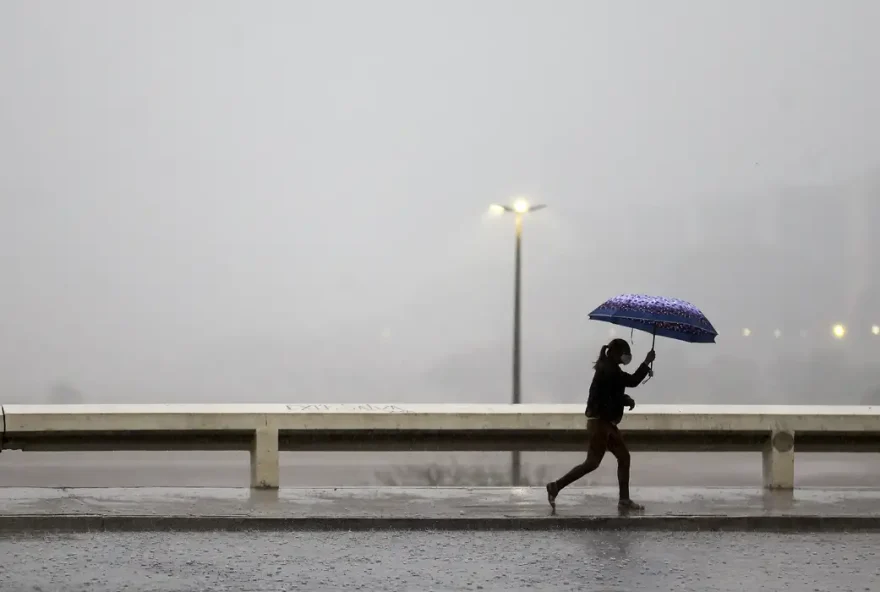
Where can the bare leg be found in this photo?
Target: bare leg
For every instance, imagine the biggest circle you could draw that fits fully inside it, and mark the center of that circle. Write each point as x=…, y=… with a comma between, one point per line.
x=588, y=466
x=597, y=444
x=617, y=447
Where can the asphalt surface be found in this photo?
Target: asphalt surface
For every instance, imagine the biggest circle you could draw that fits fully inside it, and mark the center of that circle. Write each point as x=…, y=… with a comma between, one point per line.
x=366, y=508
x=440, y=561
x=417, y=560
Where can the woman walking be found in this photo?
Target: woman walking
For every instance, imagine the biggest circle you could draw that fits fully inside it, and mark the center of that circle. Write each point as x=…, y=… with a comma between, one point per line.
x=604, y=411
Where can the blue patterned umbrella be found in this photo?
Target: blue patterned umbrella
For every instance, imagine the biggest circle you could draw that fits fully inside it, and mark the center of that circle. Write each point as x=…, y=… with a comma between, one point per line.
x=666, y=317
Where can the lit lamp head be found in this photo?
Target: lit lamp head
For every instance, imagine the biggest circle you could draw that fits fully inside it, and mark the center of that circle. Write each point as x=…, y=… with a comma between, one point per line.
x=875, y=330
x=839, y=331
x=520, y=206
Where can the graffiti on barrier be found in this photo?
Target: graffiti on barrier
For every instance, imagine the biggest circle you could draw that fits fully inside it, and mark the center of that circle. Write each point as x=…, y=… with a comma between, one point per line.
x=366, y=407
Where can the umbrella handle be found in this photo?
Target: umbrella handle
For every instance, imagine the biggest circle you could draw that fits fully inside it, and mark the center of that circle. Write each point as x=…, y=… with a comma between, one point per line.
x=651, y=365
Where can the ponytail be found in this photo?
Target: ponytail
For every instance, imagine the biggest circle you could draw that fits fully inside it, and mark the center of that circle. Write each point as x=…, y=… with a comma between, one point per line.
x=615, y=346
x=603, y=357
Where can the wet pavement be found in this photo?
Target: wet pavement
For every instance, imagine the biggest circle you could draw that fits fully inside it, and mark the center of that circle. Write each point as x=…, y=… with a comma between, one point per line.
x=433, y=507
x=623, y=561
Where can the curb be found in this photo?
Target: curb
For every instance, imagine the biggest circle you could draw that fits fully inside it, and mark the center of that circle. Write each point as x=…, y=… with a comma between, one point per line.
x=133, y=523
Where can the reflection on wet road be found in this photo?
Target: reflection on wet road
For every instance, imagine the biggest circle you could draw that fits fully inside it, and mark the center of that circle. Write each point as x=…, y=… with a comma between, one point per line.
x=423, y=561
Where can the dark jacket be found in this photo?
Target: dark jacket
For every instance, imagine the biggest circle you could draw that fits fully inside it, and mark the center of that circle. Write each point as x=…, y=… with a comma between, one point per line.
x=608, y=391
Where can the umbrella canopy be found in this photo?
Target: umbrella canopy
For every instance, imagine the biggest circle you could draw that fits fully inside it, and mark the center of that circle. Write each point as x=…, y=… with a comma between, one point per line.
x=666, y=317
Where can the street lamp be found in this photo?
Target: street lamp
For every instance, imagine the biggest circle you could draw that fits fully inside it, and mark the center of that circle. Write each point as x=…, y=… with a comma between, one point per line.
x=519, y=208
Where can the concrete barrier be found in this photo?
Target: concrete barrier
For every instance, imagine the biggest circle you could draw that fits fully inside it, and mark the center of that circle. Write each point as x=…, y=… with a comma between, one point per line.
x=265, y=430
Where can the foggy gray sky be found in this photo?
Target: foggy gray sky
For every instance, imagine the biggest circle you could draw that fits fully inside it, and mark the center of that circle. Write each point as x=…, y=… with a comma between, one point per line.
x=218, y=200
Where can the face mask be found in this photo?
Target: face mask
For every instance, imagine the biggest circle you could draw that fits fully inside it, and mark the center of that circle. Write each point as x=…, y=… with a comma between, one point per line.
x=626, y=359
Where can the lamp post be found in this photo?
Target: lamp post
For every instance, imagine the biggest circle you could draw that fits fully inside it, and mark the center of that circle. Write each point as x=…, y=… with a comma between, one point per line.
x=520, y=208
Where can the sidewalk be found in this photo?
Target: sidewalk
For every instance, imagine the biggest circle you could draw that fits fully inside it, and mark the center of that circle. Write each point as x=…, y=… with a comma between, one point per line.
x=483, y=508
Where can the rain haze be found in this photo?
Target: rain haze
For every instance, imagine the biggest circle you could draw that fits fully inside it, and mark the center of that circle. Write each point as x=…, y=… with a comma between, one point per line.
x=288, y=201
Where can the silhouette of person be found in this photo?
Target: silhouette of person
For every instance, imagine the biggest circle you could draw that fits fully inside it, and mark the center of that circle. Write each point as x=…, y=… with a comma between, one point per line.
x=604, y=411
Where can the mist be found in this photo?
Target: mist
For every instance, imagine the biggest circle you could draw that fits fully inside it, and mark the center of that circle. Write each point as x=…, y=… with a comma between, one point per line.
x=288, y=201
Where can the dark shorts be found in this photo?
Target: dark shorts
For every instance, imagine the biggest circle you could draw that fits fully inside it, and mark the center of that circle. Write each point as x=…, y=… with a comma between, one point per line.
x=603, y=436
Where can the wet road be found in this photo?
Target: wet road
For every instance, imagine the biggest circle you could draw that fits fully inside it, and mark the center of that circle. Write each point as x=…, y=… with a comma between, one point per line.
x=420, y=507
x=508, y=561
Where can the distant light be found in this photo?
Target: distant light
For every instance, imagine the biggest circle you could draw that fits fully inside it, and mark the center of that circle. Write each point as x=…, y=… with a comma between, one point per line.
x=777, y=333
x=747, y=332
x=520, y=206
x=875, y=329
x=839, y=331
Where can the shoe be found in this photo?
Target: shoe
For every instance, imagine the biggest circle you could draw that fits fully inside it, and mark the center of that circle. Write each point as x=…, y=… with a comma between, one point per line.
x=628, y=504
x=552, y=492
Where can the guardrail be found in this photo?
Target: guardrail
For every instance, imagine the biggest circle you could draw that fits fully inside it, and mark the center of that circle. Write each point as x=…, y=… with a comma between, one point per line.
x=265, y=430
